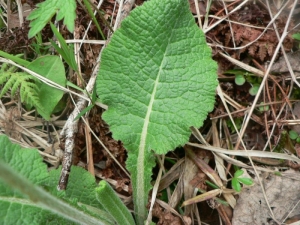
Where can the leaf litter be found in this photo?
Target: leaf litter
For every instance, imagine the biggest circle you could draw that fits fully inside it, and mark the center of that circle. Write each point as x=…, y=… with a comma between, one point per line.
x=244, y=35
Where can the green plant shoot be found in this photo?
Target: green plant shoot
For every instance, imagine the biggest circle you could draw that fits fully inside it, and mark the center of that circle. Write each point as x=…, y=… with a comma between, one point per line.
x=237, y=180
x=293, y=135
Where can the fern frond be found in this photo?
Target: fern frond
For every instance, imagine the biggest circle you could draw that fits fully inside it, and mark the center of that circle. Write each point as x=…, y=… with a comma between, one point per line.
x=10, y=80
x=15, y=86
x=4, y=67
x=12, y=69
x=3, y=76
x=28, y=88
x=29, y=94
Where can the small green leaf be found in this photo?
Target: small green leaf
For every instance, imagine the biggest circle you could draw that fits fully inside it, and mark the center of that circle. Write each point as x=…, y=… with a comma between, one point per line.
x=298, y=140
x=245, y=180
x=238, y=123
x=254, y=89
x=239, y=79
x=238, y=173
x=277, y=173
x=235, y=184
x=296, y=36
x=47, y=9
x=293, y=134
x=52, y=68
x=14, y=58
x=263, y=108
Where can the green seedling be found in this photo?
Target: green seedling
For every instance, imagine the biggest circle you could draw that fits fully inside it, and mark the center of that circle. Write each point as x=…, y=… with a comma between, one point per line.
x=263, y=108
x=241, y=76
x=294, y=136
x=254, y=89
x=287, y=141
x=238, y=123
x=45, y=67
x=237, y=180
x=239, y=79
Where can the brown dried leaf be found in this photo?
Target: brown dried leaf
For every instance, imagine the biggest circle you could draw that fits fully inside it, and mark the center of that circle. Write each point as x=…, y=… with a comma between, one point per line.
x=190, y=171
x=252, y=50
x=262, y=52
x=204, y=167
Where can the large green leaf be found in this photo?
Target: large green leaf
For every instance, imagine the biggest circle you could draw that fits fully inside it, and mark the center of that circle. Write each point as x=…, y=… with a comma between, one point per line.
x=52, y=68
x=30, y=204
x=81, y=186
x=158, y=79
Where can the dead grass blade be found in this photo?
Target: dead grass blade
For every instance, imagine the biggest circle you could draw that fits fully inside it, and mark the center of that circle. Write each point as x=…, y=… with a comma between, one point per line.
x=248, y=153
x=204, y=167
x=202, y=197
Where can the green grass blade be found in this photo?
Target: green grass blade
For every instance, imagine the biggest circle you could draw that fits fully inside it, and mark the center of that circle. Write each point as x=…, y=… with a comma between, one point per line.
x=113, y=204
x=16, y=59
x=89, y=9
x=67, y=52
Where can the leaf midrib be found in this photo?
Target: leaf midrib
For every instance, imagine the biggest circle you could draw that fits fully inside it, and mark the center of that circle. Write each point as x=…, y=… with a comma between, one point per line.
x=140, y=182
